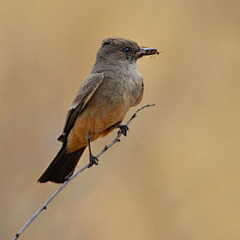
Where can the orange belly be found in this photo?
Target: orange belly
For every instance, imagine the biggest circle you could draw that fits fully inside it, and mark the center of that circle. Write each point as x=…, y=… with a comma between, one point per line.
x=95, y=121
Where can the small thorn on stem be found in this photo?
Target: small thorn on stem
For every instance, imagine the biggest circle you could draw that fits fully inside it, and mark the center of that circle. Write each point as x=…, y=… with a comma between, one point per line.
x=133, y=116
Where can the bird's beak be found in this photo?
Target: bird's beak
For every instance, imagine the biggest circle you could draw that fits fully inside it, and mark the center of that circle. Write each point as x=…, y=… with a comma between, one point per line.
x=147, y=51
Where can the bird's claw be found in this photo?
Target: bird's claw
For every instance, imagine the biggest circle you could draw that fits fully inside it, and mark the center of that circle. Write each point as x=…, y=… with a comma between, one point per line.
x=92, y=161
x=124, y=129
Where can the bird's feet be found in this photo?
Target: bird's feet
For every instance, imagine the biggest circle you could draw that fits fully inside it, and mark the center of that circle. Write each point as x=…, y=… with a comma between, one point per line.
x=92, y=161
x=124, y=129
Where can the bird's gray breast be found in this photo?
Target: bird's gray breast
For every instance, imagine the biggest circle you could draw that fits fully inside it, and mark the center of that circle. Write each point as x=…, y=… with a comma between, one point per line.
x=135, y=85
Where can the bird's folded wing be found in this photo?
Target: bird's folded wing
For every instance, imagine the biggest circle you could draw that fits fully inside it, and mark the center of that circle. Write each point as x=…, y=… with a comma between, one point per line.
x=88, y=88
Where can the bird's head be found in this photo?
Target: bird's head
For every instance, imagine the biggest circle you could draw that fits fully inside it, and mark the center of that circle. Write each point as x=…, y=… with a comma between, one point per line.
x=121, y=49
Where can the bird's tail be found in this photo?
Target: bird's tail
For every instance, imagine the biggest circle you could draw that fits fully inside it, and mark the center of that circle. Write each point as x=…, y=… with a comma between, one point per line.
x=62, y=166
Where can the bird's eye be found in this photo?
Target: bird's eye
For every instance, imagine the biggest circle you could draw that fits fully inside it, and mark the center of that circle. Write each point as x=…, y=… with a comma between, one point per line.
x=126, y=49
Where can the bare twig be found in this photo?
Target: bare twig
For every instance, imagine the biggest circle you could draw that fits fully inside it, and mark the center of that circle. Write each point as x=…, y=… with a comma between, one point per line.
x=44, y=206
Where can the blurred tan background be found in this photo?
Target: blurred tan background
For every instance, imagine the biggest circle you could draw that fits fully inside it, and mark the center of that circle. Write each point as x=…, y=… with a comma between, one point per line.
x=176, y=175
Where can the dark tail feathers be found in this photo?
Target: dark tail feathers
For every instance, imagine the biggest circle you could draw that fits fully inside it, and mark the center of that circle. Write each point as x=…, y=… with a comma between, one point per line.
x=62, y=166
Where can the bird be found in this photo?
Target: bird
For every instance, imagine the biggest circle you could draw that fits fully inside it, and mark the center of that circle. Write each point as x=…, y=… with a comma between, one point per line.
x=113, y=86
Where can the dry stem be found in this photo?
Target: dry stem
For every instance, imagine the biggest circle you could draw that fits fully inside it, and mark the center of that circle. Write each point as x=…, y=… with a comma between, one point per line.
x=44, y=206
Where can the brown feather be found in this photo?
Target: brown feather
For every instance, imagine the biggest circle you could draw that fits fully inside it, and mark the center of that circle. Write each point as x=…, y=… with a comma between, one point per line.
x=88, y=88
x=62, y=166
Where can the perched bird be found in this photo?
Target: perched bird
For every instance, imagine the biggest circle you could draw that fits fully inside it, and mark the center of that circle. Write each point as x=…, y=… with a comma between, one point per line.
x=113, y=86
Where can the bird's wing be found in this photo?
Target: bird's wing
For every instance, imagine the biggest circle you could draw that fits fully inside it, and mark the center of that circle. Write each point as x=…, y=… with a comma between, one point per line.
x=88, y=88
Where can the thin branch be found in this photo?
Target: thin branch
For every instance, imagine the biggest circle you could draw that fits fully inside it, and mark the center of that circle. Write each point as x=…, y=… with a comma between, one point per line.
x=44, y=206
